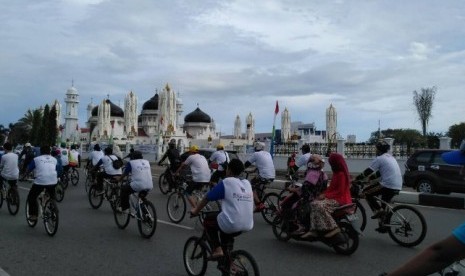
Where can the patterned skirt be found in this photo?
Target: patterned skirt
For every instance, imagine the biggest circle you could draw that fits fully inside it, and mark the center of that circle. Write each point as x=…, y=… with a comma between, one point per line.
x=320, y=215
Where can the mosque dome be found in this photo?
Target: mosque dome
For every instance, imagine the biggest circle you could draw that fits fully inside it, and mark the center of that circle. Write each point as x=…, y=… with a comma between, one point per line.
x=151, y=104
x=197, y=116
x=115, y=111
x=72, y=91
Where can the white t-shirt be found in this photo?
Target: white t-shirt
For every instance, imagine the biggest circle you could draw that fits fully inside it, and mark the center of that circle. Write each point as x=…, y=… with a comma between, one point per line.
x=95, y=156
x=64, y=153
x=45, y=170
x=74, y=156
x=264, y=163
x=219, y=157
x=199, y=167
x=237, y=206
x=107, y=162
x=9, y=166
x=391, y=176
x=303, y=160
x=141, y=175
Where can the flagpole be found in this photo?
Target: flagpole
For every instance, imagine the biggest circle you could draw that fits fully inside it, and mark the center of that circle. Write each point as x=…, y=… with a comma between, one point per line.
x=276, y=111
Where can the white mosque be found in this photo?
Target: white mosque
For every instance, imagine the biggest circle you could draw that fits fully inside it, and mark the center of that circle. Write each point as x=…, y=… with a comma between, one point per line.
x=160, y=120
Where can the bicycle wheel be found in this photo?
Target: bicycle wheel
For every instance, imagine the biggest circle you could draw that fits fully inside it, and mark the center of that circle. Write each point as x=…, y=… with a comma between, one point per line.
x=88, y=182
x=95, y=199
x=281, y=228
x=147, y=224
x=407, y=226
x=361, y=214
x=176, y=207
x=31, y=223
x=59, y=192
x=74, y=176
x=271, y=201
x=351, y=239
x=195, y=257
x=65, y=180
x=12, y=201
x=50, y=217
x=243, y=264
x=121, y=219
x=163, y=184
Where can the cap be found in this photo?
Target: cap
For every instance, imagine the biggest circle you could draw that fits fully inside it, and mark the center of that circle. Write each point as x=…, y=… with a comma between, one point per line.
x=194, y=148
x=219, y=146
x=27, y=145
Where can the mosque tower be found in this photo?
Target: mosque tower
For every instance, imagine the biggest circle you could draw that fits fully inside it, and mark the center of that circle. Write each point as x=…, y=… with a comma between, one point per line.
x=168, y=114
x=71, y=115
x=57, y=106
x=237, y=128
x=331, y=123
x=285, y=126
x=130, y=115
x=178, y=112
x=104, y=111
x=250, y=129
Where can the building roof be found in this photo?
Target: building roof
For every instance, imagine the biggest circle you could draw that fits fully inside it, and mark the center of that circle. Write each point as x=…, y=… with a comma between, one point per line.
x=197, y=116
x=151, y=104
x=115, y=111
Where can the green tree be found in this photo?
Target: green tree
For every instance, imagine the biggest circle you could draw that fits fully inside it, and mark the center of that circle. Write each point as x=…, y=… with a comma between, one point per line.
x=44, y=128
x=424, y=104
x=34, y=135
x=457, y=134
x=52, y=127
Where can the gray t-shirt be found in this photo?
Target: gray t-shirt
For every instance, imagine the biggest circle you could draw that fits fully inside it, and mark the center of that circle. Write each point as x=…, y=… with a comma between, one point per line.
x=391, y=176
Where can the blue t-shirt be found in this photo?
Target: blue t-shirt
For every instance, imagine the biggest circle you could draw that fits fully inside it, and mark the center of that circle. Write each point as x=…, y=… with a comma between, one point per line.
x=459, y=233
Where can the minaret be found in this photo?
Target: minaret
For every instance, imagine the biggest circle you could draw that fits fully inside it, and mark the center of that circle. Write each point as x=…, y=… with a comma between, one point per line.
x=250, y=130
x=104, y=112
x=167, y=108
x=331, y=123
x=71, y=115
x=285, y=126
x=130, y=114
x=178, y=112
x=237, y=128
x=57, y=106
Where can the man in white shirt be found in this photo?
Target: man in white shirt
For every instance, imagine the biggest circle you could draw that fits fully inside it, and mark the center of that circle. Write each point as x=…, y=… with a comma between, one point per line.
x=200, y=172
x=108, y=171
x=219, y=160
x=64, y=154
x=9, y=166
x=74, y=157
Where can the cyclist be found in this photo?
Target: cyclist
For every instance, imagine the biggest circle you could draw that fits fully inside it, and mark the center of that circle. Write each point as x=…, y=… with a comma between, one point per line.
x=28, y=154
x=74, y=157
x=444, y=252
x=141, y=179
x=200, y=172
x=64, y=154
x=302, y=160
x=291, y=164
x=9, y=166
x=219, y=160
x=108, y=171
x=385, y=168
x=266, y=171
x=173, y=156
x=131, y=152
x=45, y=167
x=237, y=206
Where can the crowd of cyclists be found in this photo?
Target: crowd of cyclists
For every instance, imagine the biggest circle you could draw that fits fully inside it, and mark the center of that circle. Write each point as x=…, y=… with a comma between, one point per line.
x=237, y=195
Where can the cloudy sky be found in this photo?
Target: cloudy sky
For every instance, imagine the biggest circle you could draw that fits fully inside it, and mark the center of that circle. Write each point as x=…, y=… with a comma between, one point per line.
x=235, y=57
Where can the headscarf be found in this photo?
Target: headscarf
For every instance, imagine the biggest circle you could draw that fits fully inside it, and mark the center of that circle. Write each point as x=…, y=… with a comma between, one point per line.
x=338, y=164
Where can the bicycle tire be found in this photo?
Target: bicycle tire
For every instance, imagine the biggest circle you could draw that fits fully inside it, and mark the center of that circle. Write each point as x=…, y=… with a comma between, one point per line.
x=65, y=180
x=352, y=239
x=88, y=182
x=12, y=201
x=163, y=184
x=176, y=207
x=50, y=217
x=243, y=263
x=74, y=176
x=121, y=219
x=95, y=200
x=31, y=223
x=281, y=229
x=147, y=224
x=59, y=192
x=271, y=201
x=400, y=225
x=195, y=257
x=113, y=197
x=361, y=213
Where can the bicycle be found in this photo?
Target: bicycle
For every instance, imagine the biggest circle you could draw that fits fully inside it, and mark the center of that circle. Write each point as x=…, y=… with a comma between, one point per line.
x=72, y=175
x=270, y=199
x=11, y=196
x=48, y=211
x=401, y=221
x=59, y=191
x=176, y=204
x=141, y=209
x=197, y=253
x=163, y=182
x=111, y=191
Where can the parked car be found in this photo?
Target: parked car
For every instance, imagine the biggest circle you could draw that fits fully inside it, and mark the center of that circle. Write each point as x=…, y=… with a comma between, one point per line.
x=426, y=172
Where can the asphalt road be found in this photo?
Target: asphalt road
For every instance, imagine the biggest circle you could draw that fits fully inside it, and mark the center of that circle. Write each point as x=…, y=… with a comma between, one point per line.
x=89, y=243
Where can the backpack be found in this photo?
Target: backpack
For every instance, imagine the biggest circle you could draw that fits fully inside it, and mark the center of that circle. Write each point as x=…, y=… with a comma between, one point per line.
x=116, y=163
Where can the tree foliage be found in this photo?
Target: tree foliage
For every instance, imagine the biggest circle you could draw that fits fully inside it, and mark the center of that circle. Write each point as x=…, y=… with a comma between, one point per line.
x=424, y=104
x=457, y=134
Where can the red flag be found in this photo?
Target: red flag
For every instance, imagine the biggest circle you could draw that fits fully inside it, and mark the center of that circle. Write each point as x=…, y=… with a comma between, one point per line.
x=276, y=110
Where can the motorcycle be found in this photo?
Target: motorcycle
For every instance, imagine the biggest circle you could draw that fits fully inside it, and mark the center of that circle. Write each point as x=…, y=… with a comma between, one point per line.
x=295, y=210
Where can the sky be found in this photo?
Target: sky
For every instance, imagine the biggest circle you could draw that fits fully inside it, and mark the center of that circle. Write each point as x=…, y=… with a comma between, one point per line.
x=238, y=57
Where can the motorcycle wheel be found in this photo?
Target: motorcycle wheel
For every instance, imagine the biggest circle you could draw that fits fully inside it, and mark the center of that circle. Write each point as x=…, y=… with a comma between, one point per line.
x=351, y=239
x=281, y=229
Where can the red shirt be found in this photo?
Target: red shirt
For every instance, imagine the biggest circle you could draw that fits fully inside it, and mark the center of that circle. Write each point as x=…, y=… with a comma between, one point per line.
x=339, y=189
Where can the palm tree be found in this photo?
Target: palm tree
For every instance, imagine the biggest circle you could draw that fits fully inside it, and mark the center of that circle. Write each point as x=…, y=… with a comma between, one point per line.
x=424, y=103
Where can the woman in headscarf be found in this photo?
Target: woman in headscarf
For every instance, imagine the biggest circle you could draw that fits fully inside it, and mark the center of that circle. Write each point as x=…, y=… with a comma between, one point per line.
x=337, y=194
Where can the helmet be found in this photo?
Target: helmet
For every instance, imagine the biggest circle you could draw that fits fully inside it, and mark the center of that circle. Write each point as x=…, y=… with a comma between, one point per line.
x=172, y=142
x=259, y=146
x=27, y=145
x=382, y=146
x=219, y=147
x=63, y=145
x=194, y=148
x=305, y=148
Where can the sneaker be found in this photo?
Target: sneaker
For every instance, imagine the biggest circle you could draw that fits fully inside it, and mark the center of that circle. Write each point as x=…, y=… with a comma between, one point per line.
x=120, y=210
x=309, y=234
x=260, y=207
x=378, y=214
x=332, y=232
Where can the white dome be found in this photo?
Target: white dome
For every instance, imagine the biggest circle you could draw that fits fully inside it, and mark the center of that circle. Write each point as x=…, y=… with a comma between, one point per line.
x=72, y=91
